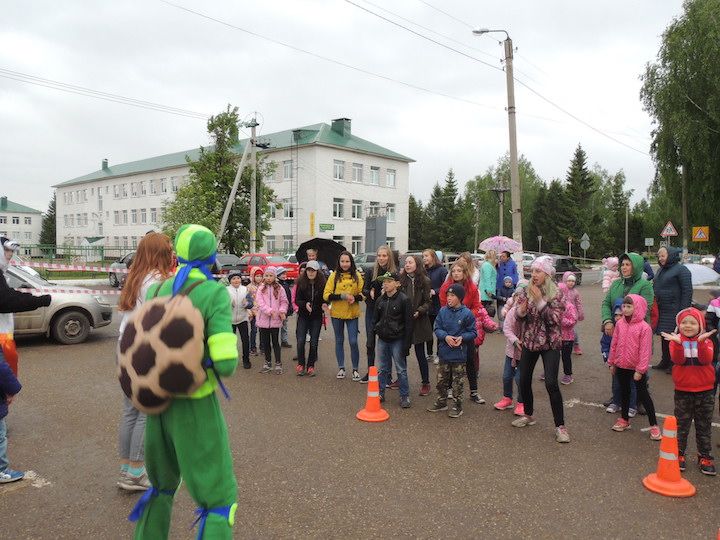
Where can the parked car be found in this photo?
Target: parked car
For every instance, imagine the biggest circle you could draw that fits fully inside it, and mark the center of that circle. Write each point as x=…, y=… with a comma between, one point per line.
x=291, y=258
x=263, y=260
x=365, y=262
x=117, y=279
x=68, y=318
x=562, y=264
x=226, y=263
x=707, y=259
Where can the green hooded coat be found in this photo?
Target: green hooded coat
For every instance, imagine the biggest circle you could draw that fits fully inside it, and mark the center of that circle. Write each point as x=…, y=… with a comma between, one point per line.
x=635, y=284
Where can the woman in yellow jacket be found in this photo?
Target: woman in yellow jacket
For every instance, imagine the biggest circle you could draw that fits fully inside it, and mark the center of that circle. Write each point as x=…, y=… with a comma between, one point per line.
x=343, y=291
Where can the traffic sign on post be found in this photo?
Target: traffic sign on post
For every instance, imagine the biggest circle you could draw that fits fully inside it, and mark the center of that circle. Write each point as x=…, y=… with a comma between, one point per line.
x=585, y=238
x=701, y=234
x=668, y=230
x=649, y=242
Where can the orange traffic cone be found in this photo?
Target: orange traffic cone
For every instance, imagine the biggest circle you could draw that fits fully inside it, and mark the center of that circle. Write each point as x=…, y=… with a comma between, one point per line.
x=667, y=480
x=373, y=412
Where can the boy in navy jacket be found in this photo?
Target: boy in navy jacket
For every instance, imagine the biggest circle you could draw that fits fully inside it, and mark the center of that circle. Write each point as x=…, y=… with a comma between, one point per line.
x=9, y=386
x=455, y=330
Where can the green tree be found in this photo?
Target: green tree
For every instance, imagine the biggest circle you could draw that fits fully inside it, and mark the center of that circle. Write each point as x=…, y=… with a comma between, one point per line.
x=680, y=92
x=202, y=200
x=556, y=221
x=416, y=224
x=619, y=201
x=47, y=233
x=433, y=237
x=579, y=188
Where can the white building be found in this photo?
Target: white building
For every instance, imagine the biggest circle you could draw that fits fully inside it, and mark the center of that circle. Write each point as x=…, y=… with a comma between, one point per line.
x=326, y=181
x=18, y=222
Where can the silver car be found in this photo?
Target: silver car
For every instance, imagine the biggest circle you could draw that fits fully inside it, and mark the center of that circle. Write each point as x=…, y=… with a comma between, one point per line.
x=68, y=318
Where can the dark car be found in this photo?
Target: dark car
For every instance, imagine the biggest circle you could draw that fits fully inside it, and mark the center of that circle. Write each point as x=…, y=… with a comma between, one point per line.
x=118, y=278
x=226, y=263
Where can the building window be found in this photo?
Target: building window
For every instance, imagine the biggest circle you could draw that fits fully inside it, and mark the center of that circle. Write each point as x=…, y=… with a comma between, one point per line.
x=375, y=176
x=390, y=178
x=357, y=169
x=143, y=189
x=78, y=220
x=28, y=235
x=78, y=197
x=288, y=209
x=153, y=215
x=153, y=187
x=16, y=220
x=338, y=170
x=71, y=219
x=270, y=244
x=391, y=212
x=272, y=210
x=116, y=191
x=391, y=242
x=116, y=241
x=133, y=216
x=28, y=221
x=374, y=209
x=84, y=194
x=143, y=215
x=133, y=189
x=287, y=243
x=356, y=246
x=356, y=209
x=125, y=241
x=287, y=169
x=100, y=228
x=92, y=191
x=107, y=190
x=65, y=219
x=338, y=208
x=174, y=182
x=85, y=219
x=3, y=219
x=124, y=191
x=339, y=239
x=163, y=186
x=116, y=215
x=134, y=241
x=65, y=198
x=124, y=217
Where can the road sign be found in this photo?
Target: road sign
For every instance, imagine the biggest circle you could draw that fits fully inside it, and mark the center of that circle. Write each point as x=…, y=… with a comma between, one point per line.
x=312, y=224
x=326, y=227
x=668, y=230
x=585, y=238
x=585, y=244
x=649, y=242
x=701, y=234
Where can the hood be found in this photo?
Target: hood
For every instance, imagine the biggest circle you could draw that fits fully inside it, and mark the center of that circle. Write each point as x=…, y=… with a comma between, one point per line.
x=195, y=243
x=254, y=270
x=567, y=275
x=637, y=264
x=673, y=256
x=640, y=308
x=611, y=263
x=695, y=314
x=563, y=287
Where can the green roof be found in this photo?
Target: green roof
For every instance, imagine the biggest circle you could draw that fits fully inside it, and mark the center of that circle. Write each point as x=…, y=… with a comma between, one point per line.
x=320, y=134
x=9, y=206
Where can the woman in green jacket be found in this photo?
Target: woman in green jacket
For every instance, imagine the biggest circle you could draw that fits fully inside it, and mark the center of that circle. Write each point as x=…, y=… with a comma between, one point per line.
x=630, y=282
x=488, y=279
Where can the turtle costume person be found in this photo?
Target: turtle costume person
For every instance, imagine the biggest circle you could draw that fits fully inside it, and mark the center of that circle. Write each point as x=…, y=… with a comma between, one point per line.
x=188, y=440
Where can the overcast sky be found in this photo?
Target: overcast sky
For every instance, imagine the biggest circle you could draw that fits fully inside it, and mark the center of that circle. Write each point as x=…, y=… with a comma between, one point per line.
x=584, y=56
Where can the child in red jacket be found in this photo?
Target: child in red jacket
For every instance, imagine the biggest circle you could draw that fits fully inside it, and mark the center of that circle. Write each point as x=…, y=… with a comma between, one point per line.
x=694, y=376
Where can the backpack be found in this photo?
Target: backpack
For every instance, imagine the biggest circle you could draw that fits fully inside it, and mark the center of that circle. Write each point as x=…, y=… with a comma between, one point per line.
x=160, y=353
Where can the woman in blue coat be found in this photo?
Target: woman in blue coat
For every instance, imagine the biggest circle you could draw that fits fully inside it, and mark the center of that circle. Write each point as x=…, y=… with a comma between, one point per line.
x=673, y=293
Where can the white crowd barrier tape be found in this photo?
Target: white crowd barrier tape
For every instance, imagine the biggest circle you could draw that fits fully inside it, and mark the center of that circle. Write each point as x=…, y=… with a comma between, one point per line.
x=80, y=267
x=62, y=290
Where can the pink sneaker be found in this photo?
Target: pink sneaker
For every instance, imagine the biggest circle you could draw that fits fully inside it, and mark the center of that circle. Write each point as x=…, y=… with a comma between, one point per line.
x=655, y=434
x=519, y=410
x=621, y=425
x=577, y=350
x=504, y=403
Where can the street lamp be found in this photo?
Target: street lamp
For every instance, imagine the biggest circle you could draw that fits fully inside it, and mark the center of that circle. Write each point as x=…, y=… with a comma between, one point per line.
x=500, y=190
x=514, y=172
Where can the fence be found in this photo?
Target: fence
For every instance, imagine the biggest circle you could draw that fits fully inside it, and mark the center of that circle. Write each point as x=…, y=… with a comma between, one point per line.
x=77, y=254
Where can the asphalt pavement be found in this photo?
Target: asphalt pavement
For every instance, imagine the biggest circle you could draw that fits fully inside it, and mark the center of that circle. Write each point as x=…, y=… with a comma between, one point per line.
x=306, y=468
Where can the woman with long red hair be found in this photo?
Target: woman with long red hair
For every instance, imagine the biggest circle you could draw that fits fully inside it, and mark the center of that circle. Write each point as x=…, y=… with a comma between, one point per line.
x=153, y=263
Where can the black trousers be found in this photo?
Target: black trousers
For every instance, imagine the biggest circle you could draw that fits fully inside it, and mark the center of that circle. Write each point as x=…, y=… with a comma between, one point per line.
x=267, y=335
x=551, y=365
x=567, y=348
x=429, y=343
x=471, y=367
x=625, y=378
x=244, y=329
x=665, y=361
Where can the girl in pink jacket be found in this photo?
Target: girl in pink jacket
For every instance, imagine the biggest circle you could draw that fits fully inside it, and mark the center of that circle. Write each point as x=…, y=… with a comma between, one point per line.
x=567, y=329
x=513, y=330
x=272, y=305
x=629, y=359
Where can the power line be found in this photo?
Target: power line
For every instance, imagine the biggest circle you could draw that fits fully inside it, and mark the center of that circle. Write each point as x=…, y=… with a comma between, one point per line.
x=446, y=13
x=97, y=94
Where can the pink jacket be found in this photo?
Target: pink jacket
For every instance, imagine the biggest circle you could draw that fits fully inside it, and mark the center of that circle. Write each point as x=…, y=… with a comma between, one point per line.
x=573, y=296
x=269, y=306
x=631, y=346
x=569, y=317
x=483, y=323
x=513, y=330
x=610, y=273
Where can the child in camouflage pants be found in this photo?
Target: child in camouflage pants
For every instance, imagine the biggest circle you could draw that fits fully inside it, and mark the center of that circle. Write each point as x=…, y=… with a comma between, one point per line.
x=455, y=330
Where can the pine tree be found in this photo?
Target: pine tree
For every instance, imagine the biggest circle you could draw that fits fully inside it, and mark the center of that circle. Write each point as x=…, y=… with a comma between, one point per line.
x=433, y=236
x=47, y=234
x=416, y=224
x=447, y=212
x=619, y=199
x=579, y=189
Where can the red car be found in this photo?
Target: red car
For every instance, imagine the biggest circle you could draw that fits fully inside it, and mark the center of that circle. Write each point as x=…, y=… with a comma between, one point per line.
x=263, y=260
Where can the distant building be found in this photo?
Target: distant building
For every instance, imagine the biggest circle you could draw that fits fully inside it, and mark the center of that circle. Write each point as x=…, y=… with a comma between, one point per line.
x=327, y=181
x=20, y=222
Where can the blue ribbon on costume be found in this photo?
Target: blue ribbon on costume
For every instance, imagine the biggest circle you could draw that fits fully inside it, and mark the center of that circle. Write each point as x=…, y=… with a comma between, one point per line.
x=209, y=364
x=184, y=271
x=139, y=508
x=203, y=513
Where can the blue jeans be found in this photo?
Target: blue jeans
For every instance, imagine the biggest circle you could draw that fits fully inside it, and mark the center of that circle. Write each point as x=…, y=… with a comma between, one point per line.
x=253, y=335
x=3, y=446
x=307, y=325
x=284, y=338
x=370, y=334
x=616, y=393
x=390, y=351
x=511, y=373
x=352, y=329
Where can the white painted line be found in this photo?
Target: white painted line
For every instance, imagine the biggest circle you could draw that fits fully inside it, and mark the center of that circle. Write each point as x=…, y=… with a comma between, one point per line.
x=570, y=403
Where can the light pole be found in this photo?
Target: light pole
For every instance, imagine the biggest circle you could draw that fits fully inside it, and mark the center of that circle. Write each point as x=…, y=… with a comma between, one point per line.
x=499, y=189
x=516, y=209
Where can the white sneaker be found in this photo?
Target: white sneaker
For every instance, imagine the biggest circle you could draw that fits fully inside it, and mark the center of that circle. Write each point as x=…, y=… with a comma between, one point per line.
x=523, y=421
x=341, y=373
x=356, y=376
x=562, y=435
x=436, y=361
x=632, y=413
x=612, y=408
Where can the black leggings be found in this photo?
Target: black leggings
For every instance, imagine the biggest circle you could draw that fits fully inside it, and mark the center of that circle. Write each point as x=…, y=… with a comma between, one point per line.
x=665, y=348
x=267, y=334
x=422, y=362
x=243, y=328
x=625, y=378
x=567, y=348
x=429, y=343
x=551, y=364
x=471, y=368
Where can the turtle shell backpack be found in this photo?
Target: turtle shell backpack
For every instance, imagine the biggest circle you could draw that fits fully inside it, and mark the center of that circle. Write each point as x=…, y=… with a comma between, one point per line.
x=160, y=354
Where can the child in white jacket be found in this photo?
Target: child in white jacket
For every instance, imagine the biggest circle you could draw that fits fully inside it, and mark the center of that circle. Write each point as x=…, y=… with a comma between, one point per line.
x=241, y=301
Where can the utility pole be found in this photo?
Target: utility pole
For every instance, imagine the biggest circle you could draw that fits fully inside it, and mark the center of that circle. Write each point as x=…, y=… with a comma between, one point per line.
x=233, y=193
x=477, y=222
x=514, y=171
x=627, y=220
x=500, y=191
x=683, y=183
x=253, y=189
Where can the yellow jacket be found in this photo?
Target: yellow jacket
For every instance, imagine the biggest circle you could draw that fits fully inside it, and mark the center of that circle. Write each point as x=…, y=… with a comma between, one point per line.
x=343, y=284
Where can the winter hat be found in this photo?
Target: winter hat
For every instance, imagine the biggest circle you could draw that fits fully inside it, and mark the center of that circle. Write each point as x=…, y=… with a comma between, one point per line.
x=271, y=270
x=196, y=249
x=280, y=271
x=617, y=307
x=611, y=263
x=569, y=276
x=457, y=290
x=544, y=263
x=507, y=278
x=392, y=276
x=695, y=314
x=312, y=265
x=256, y=270
x=234, y=273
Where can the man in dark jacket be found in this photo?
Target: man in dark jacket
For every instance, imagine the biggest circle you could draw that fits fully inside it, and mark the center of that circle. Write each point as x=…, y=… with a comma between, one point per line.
x=673, y=293
x=393, y=327
x=506, y=268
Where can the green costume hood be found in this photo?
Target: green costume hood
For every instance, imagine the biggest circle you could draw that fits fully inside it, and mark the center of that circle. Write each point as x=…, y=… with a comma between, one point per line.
x=194, y=242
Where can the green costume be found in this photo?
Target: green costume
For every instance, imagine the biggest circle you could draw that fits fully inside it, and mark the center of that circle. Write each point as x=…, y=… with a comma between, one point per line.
x=189, y=440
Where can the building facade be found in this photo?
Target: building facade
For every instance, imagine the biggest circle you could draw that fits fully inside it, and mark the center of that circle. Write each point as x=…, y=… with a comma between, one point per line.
x=326, y=182
x=19, y=222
